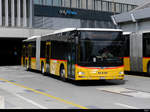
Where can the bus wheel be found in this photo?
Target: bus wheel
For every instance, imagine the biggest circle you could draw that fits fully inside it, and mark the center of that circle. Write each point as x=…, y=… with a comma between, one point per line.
x=62, y=73
x=27, y=67
x=42, y=69
x=148, y=67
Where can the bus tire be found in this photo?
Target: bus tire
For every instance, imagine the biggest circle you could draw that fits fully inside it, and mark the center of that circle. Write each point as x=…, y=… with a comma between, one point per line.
x=62, y=73
x=47, y=69
x=42, y=68
x=148, y=67
x=27, y=66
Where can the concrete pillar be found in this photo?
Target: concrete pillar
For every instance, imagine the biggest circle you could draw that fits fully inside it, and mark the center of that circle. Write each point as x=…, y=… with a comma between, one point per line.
x=6, y=12
x=12, y=13
x=18, y=13
x=1, y=13
x=30, y=13
x=25, y=13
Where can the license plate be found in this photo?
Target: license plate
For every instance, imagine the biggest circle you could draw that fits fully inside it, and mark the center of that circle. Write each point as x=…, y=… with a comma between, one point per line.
x=102, y=77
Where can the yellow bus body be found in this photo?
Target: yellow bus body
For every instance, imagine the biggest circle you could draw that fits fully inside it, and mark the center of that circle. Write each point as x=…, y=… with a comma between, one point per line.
x=126, y=62
x=146, y=60
x=89, y=73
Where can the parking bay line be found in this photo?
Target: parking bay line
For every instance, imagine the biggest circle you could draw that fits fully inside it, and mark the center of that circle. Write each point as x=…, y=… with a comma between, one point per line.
x=30, y=101
x=45, y=94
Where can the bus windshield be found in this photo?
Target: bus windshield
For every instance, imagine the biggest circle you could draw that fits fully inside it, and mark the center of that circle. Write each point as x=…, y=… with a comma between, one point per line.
x=100, y=49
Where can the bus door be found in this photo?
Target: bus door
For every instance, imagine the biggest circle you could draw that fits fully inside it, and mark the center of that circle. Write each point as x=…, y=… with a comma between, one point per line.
x=71, y=60
x=29, y=54
x=24, y=54
x=48, y=54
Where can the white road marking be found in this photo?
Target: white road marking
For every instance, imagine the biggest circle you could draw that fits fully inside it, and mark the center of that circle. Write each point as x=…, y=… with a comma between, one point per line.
x=32, y=102
x=127, y=106
x=2, y=102
x=125, y=91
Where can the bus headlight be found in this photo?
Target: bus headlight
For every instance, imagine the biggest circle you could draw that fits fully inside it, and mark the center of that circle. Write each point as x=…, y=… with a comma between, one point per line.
x=121, y=72
x=81, y=73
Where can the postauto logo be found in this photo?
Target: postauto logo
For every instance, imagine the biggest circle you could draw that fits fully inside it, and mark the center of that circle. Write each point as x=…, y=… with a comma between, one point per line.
x=67, y=12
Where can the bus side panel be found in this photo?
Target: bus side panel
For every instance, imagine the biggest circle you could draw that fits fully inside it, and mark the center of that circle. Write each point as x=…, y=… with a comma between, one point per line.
x=145, y=63
x=126, y=62
x=55, y=67
x=85, y=73
x=33, y=63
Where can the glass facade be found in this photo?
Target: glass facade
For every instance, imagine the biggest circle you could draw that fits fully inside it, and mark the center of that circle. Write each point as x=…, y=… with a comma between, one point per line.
x=99, y=5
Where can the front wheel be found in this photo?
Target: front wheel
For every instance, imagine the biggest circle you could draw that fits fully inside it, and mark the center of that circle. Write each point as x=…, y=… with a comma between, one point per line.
x=62, y=73
x=148, y=68
x=42, y=69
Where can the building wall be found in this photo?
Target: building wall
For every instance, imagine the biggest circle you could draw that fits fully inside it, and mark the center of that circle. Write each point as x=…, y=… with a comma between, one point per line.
x=99, y=5
x=57, y=17
x=16, y=13
x=56, y=23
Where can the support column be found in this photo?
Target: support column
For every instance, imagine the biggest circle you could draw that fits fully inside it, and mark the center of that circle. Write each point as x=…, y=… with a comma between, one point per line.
x=6, y=12
x=1, y=13
x=30, y=13
x=18, y=13
x=25, y=13
x=12, y=13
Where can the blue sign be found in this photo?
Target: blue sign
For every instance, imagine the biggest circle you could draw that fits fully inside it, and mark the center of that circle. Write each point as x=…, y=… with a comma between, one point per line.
x=68, y=12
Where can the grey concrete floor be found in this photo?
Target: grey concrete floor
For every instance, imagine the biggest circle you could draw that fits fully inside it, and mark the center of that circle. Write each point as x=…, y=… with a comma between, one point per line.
x=31, y=90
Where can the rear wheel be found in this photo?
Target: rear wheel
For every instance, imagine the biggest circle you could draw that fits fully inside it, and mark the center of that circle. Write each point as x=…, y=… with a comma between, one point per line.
x=62, y=73
x=27, y=66
x=42, y=68
x=148, y=68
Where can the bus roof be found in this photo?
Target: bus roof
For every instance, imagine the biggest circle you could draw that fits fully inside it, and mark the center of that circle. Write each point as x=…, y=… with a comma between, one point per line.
x=82, y=29
x=32, y=38
x=127, y=33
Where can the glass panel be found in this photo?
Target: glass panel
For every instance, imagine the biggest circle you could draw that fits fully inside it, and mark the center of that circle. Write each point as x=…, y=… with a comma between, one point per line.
x=104, y=6
x=129, y=7
x=110, y=7
x=67, y=3
x=117, y=8
x=36, y=1
x=78, y=3
x=56, y=2
x=120, y=7
x=84, y=4
x=105, y=47
x=124, y=8
x=63, y=3
x=47, y=2
x=90, y=4
x=99, y=5
x=74, y=3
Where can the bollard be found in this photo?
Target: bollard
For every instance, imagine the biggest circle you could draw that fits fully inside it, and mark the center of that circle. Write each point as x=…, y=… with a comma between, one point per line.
x=2, y=105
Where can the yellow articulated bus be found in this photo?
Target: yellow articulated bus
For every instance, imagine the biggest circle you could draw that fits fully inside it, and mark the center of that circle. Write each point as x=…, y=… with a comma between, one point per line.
x=77, y=54
x=137, y=52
